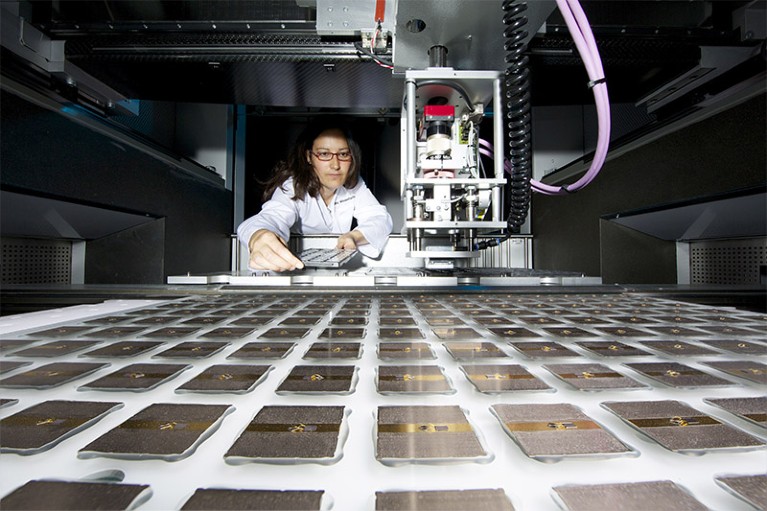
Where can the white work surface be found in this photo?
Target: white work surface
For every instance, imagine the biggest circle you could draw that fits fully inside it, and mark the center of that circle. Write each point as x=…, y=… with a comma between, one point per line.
x=351, y=483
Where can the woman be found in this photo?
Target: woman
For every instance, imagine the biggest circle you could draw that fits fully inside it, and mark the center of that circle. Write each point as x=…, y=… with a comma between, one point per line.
x=318, y=190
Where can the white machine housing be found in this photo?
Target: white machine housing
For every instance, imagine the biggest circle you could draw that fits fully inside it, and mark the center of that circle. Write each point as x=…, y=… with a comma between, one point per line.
x=448, y=197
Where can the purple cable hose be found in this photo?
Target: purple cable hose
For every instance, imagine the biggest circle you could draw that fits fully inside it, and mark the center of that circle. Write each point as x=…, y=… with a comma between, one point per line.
x=584, y=40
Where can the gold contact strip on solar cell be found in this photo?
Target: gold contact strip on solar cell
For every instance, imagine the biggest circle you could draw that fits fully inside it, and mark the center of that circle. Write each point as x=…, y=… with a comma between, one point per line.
x=334, y=349
x=551, y=425
x=500, y=376
x=673, y=373
x=292, y=428
x=229, y=331
x=426, y=428
x=318, y=377
x=227, y=376
x=568, y=331
x=179, y=350
x=169, y=331
x=396, y=321
x=511, y=332
x=588, y=375
x=165, y=425
x=43, y=420
x=52, y=347
x=49, y=373
x=282, y=332
x=411, y=377
x=259, y=348
x=139, y=375
x=131, y=347
x=497, y=321
x=621, y=331
x=339, y=332
x=756, y=417
x=300, y=321
x=678, y=420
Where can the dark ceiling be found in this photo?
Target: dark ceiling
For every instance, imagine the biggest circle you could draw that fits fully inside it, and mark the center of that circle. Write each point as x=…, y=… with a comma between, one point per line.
x=268, y=54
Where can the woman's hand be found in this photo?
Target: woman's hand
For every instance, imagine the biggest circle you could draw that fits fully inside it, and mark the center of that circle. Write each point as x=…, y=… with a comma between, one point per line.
x=269, y=252
x=351, y=240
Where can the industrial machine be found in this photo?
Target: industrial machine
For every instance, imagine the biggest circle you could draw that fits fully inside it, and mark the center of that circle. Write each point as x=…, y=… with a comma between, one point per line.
x=194, y=85
x=152, y=371
x=448, y=194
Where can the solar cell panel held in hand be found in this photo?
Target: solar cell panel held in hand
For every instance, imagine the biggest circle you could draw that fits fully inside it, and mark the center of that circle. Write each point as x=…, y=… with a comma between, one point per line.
x=325, y=257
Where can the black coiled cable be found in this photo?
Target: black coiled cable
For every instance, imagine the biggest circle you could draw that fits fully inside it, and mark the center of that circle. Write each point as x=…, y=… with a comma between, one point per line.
x=517, y=84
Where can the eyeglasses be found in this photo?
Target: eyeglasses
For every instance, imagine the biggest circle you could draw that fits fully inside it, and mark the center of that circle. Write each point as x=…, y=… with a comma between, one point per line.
x=327, y=155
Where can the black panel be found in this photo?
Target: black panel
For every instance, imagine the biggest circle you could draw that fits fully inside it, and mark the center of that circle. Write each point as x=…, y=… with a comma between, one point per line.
x=269, y=53
x=114, y=258
x=631, y=256
x=91, y=14
x=273, y=81
x=634, y=67
x=44, y=153
x=721, y=154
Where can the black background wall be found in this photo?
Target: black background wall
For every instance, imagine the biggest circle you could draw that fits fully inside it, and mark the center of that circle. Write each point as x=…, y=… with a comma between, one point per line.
x=721, y=154
x=270, y=139
x=46, y=154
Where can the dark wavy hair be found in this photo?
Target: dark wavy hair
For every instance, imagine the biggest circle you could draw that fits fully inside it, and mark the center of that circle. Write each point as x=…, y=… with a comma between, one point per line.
x=295, y=166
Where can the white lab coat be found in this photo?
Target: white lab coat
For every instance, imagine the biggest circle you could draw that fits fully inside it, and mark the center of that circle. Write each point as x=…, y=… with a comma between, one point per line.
x=281, y=215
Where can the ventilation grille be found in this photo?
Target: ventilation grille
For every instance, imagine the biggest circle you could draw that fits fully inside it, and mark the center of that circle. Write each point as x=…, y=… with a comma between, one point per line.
x=34, y=261
x=729, y=262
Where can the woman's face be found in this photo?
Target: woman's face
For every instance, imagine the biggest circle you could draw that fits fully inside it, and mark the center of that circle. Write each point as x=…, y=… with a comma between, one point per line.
x=332, y=173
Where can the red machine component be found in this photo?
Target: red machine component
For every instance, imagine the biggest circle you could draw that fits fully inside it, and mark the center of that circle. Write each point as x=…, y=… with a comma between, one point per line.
x=439, y=112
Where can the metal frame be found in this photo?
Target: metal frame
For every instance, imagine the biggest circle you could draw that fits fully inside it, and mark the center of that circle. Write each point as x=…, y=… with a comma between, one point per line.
x=482, y=87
